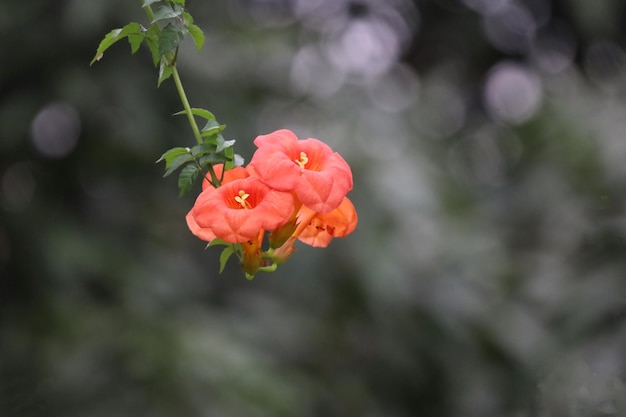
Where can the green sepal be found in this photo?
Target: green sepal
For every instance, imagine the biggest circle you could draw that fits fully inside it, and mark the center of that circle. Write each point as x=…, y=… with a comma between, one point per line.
x=186, y=178
x=115, y=35
x=181, y=2
x=225, y=255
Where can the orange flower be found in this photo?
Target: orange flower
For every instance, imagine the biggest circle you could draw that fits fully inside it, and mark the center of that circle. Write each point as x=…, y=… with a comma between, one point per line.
x=319, y=177
x=203, y=233
x=237, y=211
x=318, y=229
x=322, y=227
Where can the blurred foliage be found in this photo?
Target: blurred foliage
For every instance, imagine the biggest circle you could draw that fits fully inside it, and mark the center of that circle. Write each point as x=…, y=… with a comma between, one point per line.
x=486, y=276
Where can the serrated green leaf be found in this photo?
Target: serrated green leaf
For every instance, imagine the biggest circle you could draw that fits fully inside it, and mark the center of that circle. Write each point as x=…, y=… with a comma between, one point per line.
x=196, y=34
x=170, y=38
x=171, y=154
x=166, y=12
x=177, y=163
x=205, y=114
x=149, y=2
x=224, y=256
x=114, y=36
x=186, y=178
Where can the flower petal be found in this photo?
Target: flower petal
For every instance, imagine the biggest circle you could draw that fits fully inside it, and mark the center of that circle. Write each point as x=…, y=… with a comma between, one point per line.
x=203, y=233
x=217, y=209
x=325, y=226
x=320, y=177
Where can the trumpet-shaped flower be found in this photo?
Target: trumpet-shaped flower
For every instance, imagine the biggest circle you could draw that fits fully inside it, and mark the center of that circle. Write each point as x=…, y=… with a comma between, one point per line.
x=319, y=177
x=238, y=210
x=319, y=228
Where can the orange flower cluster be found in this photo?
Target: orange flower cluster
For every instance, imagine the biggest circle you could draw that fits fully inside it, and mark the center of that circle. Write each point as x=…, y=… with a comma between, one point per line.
x=293, y=189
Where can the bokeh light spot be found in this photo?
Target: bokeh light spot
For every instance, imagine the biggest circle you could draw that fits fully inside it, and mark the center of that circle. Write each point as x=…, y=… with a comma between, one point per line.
x=55, y=130
x=365, y=48
x=512, y=93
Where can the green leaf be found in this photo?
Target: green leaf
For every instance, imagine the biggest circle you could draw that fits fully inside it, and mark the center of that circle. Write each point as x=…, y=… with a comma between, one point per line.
x=152, y=40
x=187, y=18
x=203, y=149
x=181, y=2
x=165, y=71
x=172, y=154
x=166, y=12
x=212, y=127
x=135, y=41
x=177, y=163
x=170, y=38
x=223, y=144
x=229, y=153
x=114, y=36
x=205, y=114
x=211, y=159
x=196, y=34
x=217, y=241
x=224, y=256
x=186, y=178
x=149, y=2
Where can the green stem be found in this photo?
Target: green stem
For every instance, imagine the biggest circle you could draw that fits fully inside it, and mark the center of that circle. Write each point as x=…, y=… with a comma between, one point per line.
x=149, y=12
x=185, y=101
x=183, y=98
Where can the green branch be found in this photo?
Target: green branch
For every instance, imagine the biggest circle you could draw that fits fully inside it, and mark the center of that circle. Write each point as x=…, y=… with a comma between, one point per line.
x=186, y=106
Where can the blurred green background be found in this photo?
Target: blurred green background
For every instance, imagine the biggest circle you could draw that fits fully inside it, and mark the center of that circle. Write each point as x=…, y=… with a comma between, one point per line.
x=487, y=276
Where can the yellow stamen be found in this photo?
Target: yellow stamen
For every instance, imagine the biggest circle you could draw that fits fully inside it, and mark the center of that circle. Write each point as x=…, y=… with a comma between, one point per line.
x=241, y=199
x=303, y=160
